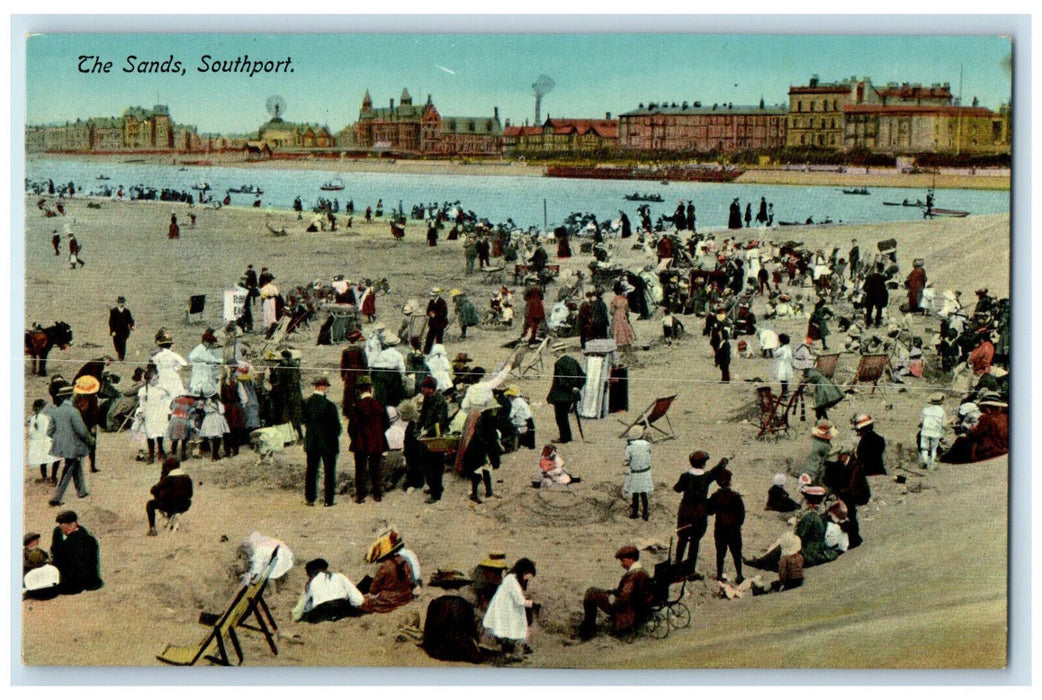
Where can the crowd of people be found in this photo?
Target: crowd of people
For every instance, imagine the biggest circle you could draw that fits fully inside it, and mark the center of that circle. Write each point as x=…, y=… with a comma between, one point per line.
x=401, y=393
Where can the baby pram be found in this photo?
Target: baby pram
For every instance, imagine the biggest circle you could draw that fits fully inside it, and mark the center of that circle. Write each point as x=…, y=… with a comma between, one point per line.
x=665, y=610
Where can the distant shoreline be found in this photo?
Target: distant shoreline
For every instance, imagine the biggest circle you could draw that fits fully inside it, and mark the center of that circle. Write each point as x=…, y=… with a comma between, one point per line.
x=883, y=177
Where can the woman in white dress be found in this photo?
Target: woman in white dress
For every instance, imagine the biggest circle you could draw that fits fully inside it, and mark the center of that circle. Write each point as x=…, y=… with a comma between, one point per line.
x=507, y=616
x=168, y=364
x=154, y=408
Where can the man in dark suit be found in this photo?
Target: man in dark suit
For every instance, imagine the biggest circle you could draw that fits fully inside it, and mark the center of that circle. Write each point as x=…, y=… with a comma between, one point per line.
x=76, y=555
x=568, y=382
x=321, y=442
x=121, y=323
x=366, y=427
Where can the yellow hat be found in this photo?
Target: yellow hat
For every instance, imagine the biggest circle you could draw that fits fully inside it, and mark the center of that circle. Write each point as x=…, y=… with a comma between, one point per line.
x=512, y=390
x=455, y=292
x=387, y=544
x=496, y=560
x=86, y=385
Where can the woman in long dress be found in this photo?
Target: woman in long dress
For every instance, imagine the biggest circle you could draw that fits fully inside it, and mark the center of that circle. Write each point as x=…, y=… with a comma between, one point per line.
x=621, y=330
x=507, y=616
x=154, y=406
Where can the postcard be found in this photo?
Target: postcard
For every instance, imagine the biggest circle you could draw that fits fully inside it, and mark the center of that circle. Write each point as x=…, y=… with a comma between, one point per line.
x=608, y=349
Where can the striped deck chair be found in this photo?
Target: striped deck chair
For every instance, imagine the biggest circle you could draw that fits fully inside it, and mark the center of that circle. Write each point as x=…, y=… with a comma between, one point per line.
x=248, y=600
x=657, y=411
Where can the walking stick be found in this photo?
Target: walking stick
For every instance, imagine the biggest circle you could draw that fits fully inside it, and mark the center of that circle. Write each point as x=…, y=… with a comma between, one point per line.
x=578, y=422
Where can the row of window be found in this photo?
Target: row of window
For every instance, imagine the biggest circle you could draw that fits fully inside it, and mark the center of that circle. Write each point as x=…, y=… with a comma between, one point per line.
x=824, y=105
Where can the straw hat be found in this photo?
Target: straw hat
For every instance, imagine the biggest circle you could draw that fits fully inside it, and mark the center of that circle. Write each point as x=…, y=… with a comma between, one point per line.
x=391, y=339
x=862, y=421
x=410, y=307
x=496, y=560
x=435, y=291
x=455, y=292
x=385, y=545
x=813, y=494
x=937, y=397
x=86, y=385
x=512, y=390
x=824, y=431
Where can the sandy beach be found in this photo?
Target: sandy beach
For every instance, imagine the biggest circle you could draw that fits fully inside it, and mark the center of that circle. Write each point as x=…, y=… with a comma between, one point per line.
x=926, y=590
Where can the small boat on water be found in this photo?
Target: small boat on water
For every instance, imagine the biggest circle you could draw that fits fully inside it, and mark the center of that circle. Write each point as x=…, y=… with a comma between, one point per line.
x=104, y=177
x=856, y=190
x=905, y=203
x=809, y=222
x=636, y=197
x=664, y=182
x=334, y=185
x=947, y=212
x=202, y=186
x=246, y=189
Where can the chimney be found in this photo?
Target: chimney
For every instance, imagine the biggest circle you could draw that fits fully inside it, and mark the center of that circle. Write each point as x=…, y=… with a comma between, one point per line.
x=607, y=116
x=392, y=104
x=495, y=113
x=814, y=80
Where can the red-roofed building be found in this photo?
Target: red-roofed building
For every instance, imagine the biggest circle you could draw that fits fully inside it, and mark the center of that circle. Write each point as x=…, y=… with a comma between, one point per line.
x=721, y=128
x=564, y=136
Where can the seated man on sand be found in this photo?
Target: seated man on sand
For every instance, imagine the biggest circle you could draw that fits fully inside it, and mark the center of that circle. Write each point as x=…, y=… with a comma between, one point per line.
x=327, y=596
x=171, y=495
x=625, y=603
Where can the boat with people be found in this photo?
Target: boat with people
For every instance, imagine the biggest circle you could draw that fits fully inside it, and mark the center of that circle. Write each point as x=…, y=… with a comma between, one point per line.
x=905, y=203
x=637, y=197
x=809, y=222
x=856, y=190
x=202, y=186
x=246, y=189
x=935, y=211
x=334, y=185
x=104, y=177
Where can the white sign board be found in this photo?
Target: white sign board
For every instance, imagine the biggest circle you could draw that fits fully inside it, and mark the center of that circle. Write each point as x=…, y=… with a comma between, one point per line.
x=234, y=300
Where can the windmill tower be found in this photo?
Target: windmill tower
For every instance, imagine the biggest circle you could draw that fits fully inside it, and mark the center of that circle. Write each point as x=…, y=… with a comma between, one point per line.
x=542, y=85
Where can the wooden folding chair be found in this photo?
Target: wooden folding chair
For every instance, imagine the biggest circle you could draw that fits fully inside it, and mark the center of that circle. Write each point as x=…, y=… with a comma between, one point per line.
x=657, y=411
x=527, y=359
x=826, y=364
x=248, y=600
x=871, y=369
x=774, y=413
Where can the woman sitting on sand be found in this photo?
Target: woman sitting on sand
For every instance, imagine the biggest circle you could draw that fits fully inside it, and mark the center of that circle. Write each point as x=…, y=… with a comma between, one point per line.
x=551, y=469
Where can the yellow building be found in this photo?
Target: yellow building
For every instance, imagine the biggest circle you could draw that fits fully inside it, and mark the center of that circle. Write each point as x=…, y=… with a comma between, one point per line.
x=924, y=129
x=816, y=111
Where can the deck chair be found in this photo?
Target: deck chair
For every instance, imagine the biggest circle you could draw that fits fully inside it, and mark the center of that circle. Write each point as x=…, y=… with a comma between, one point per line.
x=871, y=370
x=774, y=413
x=826, y=364
x=196, y=307
x=248, y=600
x=529, y=359
x=278, y=335
x=658, y=410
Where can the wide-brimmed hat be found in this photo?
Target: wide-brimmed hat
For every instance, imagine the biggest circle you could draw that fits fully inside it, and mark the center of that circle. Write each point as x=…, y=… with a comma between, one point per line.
x=790, y=544
x=86, y=385
x=455, y=292
x=355, y=336
x=813, y=493
x=385, y=545
x=391, y=339
x=778, y=479
x=320, y=381
x=992, y=398
x=496, y=560
x=410, y=307
x=379, y=326
x=512, y=390
x=163, y=336
x=937, y=397
x=862, y=421
x=435, y=291
x=824, y=431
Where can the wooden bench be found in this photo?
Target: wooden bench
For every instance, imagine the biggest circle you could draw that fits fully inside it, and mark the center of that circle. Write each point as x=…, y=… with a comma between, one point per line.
x=520, y=271
x=492, y=275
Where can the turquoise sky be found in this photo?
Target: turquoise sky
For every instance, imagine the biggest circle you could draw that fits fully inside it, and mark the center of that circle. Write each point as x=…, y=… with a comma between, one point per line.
x=469, y=74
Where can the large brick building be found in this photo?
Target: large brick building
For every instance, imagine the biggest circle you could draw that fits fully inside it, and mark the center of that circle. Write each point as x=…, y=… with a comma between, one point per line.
x=719, y=128
x=409, y=128
x=816, y=110
x=907, y=129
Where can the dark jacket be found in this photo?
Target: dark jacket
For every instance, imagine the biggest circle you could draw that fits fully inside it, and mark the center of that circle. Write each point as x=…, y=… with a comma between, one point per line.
x=120, y=322
x=366, y=427
x=78, y=560
x=174, y=492
x=728, y=508
x=695, y=487
x=434, y=411
x=322, y=422
x=870, y=453
x=632, y=595
x=778, y=499
x=483, y=445
x=569, y=379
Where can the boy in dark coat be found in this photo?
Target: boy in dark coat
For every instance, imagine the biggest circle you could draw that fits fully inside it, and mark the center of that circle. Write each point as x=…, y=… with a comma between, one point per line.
x=729, y=510
x=691, y=516
x=171, y=495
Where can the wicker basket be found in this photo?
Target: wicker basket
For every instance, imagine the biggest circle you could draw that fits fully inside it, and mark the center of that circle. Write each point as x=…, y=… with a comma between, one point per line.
x=445, y=443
